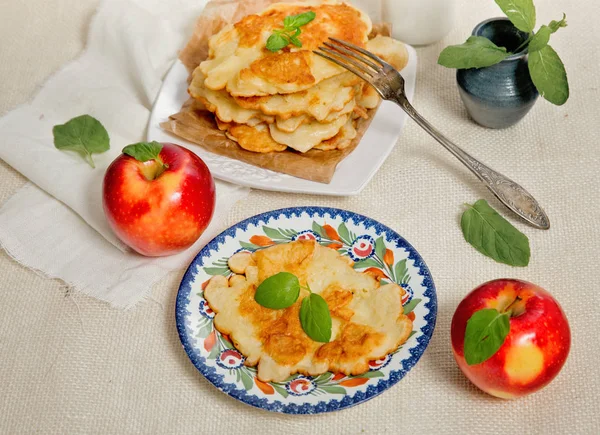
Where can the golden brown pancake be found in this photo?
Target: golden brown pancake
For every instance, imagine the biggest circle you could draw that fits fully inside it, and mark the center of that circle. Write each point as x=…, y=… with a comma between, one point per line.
x=252, y=138
x=320, y=101
x=341, y=140
x=227, y=110
x=267, y=102
x=367, y=319
x=239, y=61
x=308, y=135
x=222, y=104
x=392, y=51
x=291, y=124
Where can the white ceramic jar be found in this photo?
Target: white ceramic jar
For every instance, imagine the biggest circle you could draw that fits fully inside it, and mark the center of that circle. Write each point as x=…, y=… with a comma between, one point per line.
x=419, y=22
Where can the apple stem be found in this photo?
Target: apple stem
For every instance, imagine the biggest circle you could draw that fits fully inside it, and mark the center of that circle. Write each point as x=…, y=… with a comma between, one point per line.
x=154, y=170
x=162, y=168
x=509, y=308
x=163, y=164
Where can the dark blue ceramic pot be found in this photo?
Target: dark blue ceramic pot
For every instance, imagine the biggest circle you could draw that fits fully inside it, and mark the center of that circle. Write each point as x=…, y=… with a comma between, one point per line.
x=500, y=95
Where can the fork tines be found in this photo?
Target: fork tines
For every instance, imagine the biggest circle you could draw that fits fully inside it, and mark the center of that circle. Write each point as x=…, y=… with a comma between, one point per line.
x=355, y=59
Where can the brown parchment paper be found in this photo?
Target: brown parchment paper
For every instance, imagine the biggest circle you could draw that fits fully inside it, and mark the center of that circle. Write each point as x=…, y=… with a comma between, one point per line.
x=195, y=124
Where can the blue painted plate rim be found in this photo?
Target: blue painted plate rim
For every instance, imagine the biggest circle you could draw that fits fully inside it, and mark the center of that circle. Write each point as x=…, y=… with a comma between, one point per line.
x=395, y=376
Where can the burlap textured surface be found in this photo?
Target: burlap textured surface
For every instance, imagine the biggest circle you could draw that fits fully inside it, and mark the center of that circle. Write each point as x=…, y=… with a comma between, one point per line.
x=71, y=364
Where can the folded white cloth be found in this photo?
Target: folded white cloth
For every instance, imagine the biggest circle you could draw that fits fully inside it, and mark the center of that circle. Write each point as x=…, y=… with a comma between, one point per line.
x=58, y=228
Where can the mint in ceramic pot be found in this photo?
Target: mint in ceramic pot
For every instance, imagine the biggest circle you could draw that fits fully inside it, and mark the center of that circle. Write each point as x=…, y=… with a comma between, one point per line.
x=518, y=58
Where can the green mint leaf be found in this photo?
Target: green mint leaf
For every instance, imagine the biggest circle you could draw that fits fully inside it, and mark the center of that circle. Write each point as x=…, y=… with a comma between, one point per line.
x=288, y=22
x=486, y=331
x=315, y=318
x=282, y=38
x=299, y=20
x=477, y=52
x=555, y=25
x=540, y=39
x=549, y=75
x=278, y=291
x=83, y=134
x=494, y=236
x=520, y=12
x=294, y=40
x=144, y=151
x=542, y=36
x=409, y=307
x=276, y=42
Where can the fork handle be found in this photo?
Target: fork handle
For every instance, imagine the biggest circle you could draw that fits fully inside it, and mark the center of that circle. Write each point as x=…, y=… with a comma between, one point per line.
x=507, y=191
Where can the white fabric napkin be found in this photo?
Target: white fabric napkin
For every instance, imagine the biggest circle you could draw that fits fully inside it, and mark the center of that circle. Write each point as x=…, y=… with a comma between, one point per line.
x=58, y=228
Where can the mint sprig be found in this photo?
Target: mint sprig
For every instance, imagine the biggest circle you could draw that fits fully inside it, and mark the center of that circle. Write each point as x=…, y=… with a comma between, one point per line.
x=278, y=291
x=549, y=75
x=520, y=12
x=315, y=318
x=145, y=152
x=494, y=236
x=282, y=291
x=281, y=38
x=477, y=52
x=546, y=69
x=487, y=330
x=84, y=135
x=485, y=334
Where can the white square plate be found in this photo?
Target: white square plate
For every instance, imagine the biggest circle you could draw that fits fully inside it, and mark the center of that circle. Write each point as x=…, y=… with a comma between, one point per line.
x=351, y=175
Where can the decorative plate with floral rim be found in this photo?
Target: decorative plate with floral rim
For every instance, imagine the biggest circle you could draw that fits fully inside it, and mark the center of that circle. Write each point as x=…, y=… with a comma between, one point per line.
x=371, y=245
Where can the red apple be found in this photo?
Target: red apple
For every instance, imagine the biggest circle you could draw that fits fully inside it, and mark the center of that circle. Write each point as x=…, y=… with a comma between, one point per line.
x=158, y=198
x=535, y=348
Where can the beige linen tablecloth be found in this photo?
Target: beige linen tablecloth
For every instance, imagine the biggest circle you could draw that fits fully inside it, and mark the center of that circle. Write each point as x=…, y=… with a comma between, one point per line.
x=71, y=364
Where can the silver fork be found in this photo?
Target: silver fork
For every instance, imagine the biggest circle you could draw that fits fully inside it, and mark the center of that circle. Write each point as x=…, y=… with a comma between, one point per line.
x=390, y=85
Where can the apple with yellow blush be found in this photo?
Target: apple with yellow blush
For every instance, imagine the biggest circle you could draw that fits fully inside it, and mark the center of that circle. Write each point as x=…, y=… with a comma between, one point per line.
x=510, y=337
x=158, y=198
